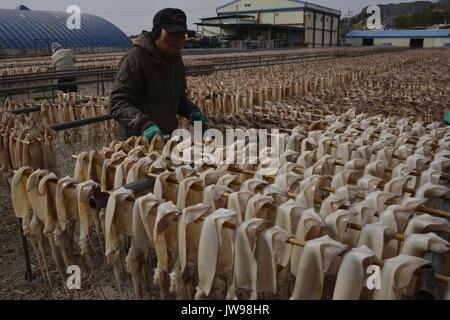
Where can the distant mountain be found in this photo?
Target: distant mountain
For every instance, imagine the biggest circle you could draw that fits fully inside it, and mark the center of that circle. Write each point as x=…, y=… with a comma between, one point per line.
x=405, y=15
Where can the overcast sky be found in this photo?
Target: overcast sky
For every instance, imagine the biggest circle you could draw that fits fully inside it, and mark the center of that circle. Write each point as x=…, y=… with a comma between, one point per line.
x=132, y=16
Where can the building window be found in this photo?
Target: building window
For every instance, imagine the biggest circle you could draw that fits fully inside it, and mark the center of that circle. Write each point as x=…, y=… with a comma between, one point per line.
x=248, y=5
x=309, y=15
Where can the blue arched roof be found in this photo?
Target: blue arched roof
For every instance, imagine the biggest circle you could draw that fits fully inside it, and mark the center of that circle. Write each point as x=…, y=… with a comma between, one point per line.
x=38, y=29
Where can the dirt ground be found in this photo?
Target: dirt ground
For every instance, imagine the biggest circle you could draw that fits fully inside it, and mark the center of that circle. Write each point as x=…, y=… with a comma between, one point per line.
x=13, y=284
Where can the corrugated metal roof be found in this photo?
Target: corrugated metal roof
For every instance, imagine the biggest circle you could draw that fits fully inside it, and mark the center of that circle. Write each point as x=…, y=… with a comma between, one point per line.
x=398, y=33
x=36, y=29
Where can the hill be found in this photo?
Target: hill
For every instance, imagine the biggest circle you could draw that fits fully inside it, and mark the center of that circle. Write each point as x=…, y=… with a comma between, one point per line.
x=406, y=15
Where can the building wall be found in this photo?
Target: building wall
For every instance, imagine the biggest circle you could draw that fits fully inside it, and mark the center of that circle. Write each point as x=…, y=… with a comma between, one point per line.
x=215, y=31
x=334, y=38
x=331, y=25
x=284, y=17
x=400, y=42
x=326, y=29
x=318, y=32
x=319, y=21
x=294, y=17
x=354, y=42
x=318, y=39
x=323, y=9
x=309, y=37
x=309, y=19
x=328, y=22
x=435, y=42
x=246, y=5
x=249, y=5
x=327, y=35
x=335, y=23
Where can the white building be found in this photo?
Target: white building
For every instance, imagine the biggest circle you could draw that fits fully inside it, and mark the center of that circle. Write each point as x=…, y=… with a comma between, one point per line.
x=292, y=21
x=401, y=38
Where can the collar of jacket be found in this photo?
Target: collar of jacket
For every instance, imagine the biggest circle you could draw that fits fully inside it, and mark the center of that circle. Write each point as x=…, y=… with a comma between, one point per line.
x=145, y=41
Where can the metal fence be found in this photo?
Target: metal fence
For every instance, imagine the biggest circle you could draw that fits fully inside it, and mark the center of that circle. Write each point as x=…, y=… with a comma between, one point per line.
x=261, y=44
x=12, y=48
x=6, y=46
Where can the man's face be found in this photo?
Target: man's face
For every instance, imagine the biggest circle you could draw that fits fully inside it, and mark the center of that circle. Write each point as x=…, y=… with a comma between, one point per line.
x=171, y=42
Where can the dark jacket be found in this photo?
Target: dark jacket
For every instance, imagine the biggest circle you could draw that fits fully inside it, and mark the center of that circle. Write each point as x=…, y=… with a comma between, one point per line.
x=150, y=88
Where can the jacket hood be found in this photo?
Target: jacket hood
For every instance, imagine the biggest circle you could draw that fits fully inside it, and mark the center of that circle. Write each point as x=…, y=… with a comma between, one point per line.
x=145, y=41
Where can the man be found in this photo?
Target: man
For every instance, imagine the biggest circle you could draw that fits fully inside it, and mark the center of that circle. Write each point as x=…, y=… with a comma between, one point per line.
x=150, y=86
x=63, y=60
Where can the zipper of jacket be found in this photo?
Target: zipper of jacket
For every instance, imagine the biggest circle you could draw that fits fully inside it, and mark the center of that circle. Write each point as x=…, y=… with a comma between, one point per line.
x=170, y=65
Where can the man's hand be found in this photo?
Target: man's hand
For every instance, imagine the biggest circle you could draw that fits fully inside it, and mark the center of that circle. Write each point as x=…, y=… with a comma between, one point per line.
x=198, y=116
x=151, y=131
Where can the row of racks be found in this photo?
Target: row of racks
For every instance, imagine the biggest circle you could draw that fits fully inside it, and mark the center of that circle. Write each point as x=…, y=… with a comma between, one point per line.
x=26, y=83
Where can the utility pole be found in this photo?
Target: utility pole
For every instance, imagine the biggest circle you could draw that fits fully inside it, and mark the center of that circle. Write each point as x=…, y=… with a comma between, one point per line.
x=274, y=15
x=349, y=15
x=237, y=10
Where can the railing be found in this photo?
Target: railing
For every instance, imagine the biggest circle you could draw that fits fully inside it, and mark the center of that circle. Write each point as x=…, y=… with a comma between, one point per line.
x=261, y=44
x=108, y=75
x=39, y=53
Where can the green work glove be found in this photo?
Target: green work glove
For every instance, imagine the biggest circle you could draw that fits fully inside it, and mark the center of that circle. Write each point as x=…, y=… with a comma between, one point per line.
x=198, y=116
x=151, y=131
x=447, y=117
